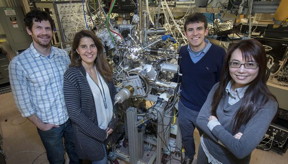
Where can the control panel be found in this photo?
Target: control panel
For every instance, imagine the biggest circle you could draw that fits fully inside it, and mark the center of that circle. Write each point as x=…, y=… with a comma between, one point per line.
x=276, y=138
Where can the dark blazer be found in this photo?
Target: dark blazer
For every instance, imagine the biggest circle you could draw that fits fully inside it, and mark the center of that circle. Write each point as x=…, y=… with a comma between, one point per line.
x=88, y=137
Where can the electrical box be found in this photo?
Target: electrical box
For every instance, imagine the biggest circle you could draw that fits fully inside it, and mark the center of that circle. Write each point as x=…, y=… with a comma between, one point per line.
x=12, y=21
x=276, y=138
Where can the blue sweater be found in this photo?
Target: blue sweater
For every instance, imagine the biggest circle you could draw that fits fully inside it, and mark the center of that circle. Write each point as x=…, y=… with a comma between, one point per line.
x=198, y=78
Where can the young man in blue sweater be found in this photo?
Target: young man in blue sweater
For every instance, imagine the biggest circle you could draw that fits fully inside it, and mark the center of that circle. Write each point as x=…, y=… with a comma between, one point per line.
x=200, y=65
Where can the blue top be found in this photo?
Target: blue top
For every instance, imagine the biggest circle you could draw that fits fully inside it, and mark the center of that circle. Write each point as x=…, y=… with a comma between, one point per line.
x=196, y=56
x=37, y=84
x=198, y=78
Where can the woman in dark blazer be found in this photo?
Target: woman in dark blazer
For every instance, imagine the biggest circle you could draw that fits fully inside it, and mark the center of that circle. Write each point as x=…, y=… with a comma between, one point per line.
x=89, y=93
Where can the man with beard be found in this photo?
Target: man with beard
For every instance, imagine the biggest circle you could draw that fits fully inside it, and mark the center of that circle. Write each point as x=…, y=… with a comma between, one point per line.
x=200, y=65
x=36, y=77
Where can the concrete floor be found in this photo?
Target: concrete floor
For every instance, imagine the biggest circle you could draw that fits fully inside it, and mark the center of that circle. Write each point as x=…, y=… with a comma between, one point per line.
x=21, y=143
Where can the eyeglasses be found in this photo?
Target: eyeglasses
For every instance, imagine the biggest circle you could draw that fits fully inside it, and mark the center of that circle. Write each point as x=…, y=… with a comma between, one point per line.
x=248, y=65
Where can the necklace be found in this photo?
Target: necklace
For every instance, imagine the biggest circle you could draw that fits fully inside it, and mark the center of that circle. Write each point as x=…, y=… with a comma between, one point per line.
x=102, y=92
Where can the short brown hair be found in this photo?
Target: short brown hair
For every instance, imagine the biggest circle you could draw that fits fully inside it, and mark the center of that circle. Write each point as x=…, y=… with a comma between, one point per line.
x=195, y=18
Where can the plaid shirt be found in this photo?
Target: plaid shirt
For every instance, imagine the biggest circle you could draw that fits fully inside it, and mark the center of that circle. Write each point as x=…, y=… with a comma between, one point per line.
x=37, y=84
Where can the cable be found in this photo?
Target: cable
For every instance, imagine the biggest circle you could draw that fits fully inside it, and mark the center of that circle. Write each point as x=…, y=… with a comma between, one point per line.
x=84, y=13
x=87, y=6
x=148, y=12
x=38, y=157
x=263, y=146
x=116, y=33
x=172, y=17
x=107, y=22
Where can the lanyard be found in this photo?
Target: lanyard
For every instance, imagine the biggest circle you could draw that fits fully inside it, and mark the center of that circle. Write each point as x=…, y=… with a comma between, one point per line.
x=102, y=92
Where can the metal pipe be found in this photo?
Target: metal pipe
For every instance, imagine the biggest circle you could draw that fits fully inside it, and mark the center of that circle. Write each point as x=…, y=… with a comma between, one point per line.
x=140, y=9
x=144, y=28
x=250, y=4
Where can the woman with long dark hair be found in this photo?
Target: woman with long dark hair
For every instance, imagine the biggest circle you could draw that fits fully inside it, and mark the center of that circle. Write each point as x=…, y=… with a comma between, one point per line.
x=89, y=93
x=239, y=109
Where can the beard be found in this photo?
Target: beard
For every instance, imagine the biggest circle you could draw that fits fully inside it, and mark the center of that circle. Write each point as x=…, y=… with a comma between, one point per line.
x=45, y=43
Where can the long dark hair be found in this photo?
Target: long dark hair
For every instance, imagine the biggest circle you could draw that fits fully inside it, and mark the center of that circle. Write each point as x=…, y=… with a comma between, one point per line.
x=257, y=93
x=101, y=62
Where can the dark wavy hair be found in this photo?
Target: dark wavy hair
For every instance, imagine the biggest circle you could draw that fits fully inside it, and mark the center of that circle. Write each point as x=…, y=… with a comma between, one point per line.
x=100, y=62
x=37, y=16
x=195, y=18
x=257, y=93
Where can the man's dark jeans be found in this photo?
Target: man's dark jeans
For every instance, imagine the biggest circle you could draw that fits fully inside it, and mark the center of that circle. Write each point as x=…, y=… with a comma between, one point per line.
x=53, y=143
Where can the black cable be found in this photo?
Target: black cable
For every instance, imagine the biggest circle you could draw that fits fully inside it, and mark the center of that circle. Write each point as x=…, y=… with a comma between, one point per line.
x=38, y=157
